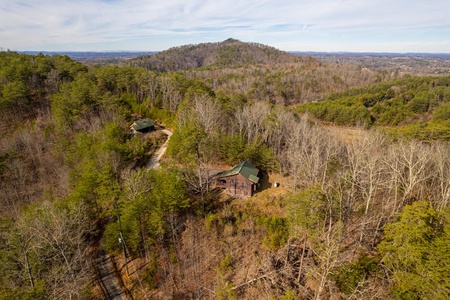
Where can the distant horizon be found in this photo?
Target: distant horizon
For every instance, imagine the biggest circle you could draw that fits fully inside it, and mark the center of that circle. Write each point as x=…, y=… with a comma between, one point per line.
x=289, y=51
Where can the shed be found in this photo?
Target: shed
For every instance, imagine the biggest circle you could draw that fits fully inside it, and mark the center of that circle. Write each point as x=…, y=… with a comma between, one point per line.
x=142, y=126
x=240, y=180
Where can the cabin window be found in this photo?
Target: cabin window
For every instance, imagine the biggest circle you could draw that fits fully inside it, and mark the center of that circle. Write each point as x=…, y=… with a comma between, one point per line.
x=231, y=182
x=244, y=185
x=222, y=181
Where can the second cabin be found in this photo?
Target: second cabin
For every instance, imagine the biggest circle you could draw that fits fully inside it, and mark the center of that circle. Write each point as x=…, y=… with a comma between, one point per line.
x=241, y=180
x=142, y=126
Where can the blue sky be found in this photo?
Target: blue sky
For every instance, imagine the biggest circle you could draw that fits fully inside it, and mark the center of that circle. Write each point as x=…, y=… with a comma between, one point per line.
x=292, y=25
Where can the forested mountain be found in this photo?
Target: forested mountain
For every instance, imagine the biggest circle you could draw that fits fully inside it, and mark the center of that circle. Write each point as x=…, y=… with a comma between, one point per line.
x=228, y=53
x=359, y=218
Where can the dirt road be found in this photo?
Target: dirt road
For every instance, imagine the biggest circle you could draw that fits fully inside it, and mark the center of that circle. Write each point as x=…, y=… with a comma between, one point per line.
x=154, y=161
x=109, y=282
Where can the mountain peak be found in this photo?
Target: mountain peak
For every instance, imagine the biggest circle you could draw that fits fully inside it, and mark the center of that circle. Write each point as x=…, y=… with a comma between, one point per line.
x=231, y=40
x=229, y=53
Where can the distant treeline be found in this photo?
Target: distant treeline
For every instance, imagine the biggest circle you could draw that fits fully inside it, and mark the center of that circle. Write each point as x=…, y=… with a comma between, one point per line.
x=83, y=56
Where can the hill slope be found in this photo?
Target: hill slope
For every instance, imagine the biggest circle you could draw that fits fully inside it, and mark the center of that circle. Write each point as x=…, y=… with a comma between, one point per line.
x=415, y=107
x=230, y=52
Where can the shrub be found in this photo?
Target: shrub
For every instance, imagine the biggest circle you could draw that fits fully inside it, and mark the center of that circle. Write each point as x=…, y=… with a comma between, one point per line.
x=420, y=103
x=442, y=113
x=226, y=263
x=277, y=231
x=210, y=220
x=350, y=275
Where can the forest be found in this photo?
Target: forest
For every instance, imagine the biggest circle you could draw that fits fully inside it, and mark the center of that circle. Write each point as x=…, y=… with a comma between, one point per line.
x=415, y=107
x=361, y=156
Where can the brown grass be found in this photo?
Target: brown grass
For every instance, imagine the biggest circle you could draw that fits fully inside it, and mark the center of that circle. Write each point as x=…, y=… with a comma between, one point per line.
x=345, y=134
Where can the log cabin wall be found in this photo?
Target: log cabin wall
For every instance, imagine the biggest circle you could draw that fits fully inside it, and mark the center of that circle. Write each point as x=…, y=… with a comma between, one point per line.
x=237, y=185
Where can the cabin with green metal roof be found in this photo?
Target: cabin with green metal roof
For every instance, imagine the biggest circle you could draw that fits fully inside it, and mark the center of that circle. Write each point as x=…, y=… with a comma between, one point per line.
x=142, y=126
x=240, y=180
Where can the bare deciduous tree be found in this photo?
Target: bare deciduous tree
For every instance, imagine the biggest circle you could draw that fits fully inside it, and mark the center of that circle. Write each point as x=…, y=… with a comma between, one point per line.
x=408, y=163
x=171, y=96
x=440, y=175
x=250, y=121
x=207, y=111
x=61, y=232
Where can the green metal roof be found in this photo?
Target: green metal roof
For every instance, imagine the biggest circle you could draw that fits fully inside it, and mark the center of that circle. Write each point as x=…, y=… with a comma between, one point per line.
x=245, y=169
x=142, y=123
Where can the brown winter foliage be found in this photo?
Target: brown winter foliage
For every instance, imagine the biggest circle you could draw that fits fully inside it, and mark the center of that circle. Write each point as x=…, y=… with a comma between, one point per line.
x=72, y=180
x=228, y=53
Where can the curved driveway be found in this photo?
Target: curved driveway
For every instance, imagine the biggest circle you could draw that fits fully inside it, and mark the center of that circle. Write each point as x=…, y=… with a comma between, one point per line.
x=154, y=161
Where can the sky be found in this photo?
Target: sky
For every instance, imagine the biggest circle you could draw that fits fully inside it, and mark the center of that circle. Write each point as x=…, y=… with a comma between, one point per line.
x=290, y=25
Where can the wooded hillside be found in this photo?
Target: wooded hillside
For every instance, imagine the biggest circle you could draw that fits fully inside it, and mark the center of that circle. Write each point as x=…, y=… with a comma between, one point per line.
x=364, y=217
x=418, y=107
x=228, y=53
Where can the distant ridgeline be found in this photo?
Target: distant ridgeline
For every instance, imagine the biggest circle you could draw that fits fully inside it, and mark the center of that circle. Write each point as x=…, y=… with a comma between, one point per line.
x=228, y=53
x=84, y=56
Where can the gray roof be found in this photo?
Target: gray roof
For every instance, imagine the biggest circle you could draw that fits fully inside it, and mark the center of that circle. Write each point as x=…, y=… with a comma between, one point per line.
x=245, y=168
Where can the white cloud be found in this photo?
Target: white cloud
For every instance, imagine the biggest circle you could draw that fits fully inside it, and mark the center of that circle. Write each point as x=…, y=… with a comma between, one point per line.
x=155, y=25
